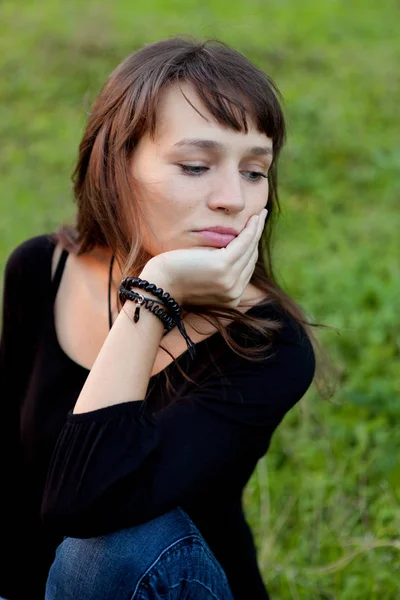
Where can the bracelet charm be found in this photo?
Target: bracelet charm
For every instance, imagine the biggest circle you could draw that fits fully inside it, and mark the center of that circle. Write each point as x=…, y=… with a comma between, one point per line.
x=170, y=319
x=139, y=301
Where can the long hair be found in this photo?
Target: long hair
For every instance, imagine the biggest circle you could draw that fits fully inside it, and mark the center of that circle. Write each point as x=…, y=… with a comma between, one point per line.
x=232, y=89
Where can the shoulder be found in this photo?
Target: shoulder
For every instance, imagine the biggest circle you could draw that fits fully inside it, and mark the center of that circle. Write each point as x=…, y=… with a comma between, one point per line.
x=290, y=340
x=292, y=348
x=28, y=268
x=263, y=390
x=32, y=249
x=31, y=257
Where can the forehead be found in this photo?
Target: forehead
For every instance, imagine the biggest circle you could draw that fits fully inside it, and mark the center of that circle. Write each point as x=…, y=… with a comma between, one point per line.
x=177, y=119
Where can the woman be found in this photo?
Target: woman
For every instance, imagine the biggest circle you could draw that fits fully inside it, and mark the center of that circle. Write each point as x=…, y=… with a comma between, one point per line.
x=125, y=458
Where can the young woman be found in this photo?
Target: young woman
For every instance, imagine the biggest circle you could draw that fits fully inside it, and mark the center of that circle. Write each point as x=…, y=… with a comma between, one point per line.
x=126, y=443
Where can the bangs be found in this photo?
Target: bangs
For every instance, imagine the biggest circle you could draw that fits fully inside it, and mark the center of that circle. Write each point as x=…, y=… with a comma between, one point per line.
x=230, y=87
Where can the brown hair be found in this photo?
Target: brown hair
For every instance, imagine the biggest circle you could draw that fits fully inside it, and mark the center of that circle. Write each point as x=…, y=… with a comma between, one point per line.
x=231, y=88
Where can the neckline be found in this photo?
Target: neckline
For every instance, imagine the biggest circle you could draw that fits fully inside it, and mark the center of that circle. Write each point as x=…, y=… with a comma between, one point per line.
x=179, y=358
x=198, y=345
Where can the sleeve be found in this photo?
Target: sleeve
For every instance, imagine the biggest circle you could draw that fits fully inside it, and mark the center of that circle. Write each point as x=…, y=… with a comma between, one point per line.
x=122, y=465
x=16, y=355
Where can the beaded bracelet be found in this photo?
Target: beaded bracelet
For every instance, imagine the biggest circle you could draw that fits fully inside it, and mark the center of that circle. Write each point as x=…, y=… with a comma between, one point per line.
x=125, y=292
x=151, y=305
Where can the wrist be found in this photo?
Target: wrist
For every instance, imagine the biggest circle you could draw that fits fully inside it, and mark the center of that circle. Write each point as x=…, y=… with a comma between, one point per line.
x=153, y=274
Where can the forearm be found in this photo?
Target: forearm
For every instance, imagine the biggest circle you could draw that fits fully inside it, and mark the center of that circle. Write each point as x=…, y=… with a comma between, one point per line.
x=122, y=369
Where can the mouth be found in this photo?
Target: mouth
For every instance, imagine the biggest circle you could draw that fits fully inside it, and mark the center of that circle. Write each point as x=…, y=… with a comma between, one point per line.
x=223, y=230
x=213, y=238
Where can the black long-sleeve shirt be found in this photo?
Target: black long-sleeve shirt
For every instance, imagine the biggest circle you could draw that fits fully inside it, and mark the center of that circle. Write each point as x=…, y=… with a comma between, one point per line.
x=88, y=474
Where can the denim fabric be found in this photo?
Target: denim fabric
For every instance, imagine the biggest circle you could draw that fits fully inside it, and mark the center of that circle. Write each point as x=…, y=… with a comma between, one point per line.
x=165, y=558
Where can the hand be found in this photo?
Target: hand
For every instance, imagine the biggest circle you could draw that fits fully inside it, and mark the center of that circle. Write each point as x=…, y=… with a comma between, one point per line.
x=204, y=275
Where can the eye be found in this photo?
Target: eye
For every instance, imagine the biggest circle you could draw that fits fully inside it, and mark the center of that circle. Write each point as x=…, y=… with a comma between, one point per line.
x=189, y=170
x=255, y=175
x=195, y=171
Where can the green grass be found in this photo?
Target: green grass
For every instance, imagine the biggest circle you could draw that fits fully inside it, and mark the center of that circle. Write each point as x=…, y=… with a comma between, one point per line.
x=324, y=504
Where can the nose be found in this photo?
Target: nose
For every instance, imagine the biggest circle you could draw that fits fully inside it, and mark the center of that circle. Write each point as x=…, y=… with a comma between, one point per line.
x=228, y=192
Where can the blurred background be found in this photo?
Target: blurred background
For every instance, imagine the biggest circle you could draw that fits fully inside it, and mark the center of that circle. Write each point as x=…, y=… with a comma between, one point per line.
x=324, y=504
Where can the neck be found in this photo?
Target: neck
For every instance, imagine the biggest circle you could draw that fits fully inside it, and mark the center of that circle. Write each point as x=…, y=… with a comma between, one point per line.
x=100, y=258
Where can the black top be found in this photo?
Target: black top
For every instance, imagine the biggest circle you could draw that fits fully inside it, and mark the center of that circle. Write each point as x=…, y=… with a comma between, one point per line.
x=123, y=465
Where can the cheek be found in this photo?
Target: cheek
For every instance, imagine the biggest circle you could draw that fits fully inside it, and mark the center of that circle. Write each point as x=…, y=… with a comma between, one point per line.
x=258, y=195
x=178, y=193
x=264, y=193
x=161, y=203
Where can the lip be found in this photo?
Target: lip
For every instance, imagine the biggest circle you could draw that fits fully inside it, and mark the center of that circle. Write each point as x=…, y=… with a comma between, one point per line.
x=218, y=240
x=223, y=230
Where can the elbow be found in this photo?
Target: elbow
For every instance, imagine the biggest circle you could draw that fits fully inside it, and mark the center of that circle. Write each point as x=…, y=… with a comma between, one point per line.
x=75, y=525
x=72, y=519
x=60, y=522
x=68, y=519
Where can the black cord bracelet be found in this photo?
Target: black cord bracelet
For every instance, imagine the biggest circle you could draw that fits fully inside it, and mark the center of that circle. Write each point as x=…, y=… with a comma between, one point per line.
x=150, y=304
x=136, y=282
x=169, y=320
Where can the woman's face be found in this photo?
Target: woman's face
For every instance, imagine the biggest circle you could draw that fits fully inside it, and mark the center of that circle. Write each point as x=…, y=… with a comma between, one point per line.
x=195, y=169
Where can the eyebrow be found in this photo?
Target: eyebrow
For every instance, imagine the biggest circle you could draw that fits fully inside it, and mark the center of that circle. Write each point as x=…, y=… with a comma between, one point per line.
x=213, y=145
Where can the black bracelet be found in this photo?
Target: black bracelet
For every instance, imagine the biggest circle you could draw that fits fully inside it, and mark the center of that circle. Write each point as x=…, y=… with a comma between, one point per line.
x=150, y=304
x=125, y=291
x=170, y=303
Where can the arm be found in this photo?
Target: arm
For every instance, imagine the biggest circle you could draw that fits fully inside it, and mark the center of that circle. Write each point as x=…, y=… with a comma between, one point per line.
x=122, y=465
x=20, y=320
x=123, y=366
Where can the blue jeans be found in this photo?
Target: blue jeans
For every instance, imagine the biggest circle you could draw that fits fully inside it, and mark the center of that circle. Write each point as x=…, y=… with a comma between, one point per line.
x=165, y=558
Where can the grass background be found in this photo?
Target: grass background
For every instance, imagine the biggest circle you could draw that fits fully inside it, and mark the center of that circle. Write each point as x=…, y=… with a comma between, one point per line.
x=324, y=503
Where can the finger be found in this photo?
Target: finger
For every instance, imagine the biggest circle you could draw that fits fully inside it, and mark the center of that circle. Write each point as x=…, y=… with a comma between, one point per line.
x=248, y=269
x=243, y=270
x=249, y=258
x=242, y=244
x=252, y=247
x=259, y=228
x=245, y=275
x=240, y=268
